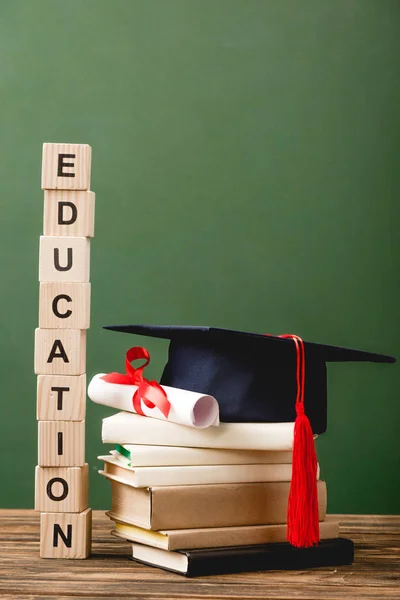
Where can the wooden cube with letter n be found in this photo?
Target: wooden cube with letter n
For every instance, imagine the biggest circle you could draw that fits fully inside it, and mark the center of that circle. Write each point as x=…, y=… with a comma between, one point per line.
x=65, y=535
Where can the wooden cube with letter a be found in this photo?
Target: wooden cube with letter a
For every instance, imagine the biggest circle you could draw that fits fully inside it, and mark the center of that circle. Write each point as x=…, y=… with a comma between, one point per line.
x=64, y=259
x=68, y=213
x=61, y=397
x=61, y=443
x=66, y=166
x=65, y=535
x=61, y=489
x=64, y=305
x=60, y=352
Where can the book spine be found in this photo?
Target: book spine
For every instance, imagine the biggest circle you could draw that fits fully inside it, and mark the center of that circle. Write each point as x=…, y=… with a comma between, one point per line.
x=226, y=505
x=275, y=557
x=128, y=428
x=214, y=474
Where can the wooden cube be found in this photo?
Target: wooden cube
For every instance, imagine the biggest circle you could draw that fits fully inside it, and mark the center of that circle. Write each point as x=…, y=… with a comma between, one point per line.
x=61, y=489
x=61, y=443
x=61, y=397
x=66, y=535
x=68, y=213
x=60, y=351
x=64, y=259
x=66, y=166
x=64, y=305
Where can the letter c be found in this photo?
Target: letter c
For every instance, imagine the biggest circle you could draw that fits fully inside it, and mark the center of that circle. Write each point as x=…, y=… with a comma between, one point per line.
x=54, y=306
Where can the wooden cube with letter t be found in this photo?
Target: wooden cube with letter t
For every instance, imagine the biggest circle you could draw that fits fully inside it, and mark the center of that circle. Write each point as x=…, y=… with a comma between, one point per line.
x=65, y=535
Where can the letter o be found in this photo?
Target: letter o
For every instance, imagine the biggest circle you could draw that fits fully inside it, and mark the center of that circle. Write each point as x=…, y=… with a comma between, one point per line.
x=49, y=490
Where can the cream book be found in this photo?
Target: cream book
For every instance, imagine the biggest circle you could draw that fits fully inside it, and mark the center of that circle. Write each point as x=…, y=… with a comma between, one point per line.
x=193, y=475
x=157, y=456
x=197, y=506
x=129, y=428
x=213, y=537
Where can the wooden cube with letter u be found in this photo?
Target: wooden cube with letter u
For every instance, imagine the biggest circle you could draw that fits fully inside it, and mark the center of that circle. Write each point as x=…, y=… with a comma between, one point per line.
x=64, y=259
x=65, y=535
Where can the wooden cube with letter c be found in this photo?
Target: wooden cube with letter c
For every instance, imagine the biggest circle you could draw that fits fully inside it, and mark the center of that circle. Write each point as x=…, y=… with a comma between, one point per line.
x=61, y=443
x=66, y=166
x=64, y=305
x=65, y=535
x=61, y=489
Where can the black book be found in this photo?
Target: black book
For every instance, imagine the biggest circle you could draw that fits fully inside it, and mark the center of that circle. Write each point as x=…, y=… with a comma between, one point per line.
x=267, y=557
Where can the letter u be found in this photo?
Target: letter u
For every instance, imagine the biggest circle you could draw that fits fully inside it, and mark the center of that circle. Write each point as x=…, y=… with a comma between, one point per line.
x=57, y=260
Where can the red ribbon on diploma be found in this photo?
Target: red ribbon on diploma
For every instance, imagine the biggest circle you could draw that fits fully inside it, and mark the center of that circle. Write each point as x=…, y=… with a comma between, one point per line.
x=149, y=392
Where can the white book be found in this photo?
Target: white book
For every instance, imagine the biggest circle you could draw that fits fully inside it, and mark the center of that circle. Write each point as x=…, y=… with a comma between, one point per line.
x=129, y=428
x=157, y=456
x=194, y=475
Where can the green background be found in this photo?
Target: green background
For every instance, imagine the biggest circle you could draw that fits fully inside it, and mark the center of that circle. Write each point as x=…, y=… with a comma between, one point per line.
x=246, y=170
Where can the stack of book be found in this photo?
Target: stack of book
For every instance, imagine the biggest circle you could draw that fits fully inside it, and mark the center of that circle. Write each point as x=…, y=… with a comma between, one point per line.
x=214, y=468
x=208, y=501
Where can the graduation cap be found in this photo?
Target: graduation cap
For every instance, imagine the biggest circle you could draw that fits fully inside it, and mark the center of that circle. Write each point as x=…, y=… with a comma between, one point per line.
x=261, y=378
x=252, y=376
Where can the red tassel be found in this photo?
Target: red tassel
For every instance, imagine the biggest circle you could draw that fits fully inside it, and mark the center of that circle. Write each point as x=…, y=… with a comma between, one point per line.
x=302, y=512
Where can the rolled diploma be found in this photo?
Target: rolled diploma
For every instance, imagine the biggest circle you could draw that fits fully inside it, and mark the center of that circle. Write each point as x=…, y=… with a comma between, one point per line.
x=187, y=408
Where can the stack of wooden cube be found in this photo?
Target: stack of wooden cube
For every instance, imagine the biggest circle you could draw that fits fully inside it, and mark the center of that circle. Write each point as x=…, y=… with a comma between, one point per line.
x=61, y=485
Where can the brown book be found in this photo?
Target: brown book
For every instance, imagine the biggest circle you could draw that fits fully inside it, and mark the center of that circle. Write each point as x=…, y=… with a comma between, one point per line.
x=192, y=506
x=213, y=537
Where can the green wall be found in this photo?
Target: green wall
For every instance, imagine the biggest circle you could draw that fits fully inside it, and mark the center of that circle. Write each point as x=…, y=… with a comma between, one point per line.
x=245, y=162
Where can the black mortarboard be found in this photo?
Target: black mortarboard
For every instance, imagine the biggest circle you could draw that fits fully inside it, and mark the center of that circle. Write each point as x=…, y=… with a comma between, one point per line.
x=252, y=376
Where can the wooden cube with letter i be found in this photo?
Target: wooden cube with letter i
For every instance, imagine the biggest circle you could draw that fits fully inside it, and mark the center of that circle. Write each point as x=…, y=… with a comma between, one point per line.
x=61, y=485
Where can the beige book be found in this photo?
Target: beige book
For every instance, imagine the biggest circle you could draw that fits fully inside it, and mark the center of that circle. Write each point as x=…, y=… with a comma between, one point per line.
x=157, y=456
x=118, y=470
x=198, y=506
x=213, y=537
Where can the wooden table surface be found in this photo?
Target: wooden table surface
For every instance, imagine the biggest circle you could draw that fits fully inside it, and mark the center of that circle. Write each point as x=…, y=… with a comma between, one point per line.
x=375, y=573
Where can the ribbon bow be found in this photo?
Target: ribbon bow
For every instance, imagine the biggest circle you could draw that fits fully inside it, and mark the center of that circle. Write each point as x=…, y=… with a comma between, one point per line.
x=149, y=392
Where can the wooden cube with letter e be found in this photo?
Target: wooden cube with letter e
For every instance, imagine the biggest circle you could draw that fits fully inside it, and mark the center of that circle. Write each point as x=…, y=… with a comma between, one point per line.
x=66, y=166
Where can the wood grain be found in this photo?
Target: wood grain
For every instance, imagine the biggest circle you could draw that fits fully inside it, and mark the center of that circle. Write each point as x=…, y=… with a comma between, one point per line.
x=61, y=397
x=64, y=305
x=61, y=489
x=61, y=443
x=68, y=212
x=64, y=259
x=107, y=573
x=69, y=172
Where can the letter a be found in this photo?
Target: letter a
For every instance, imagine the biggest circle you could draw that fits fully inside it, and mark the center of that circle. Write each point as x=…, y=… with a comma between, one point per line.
x=58, y=351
